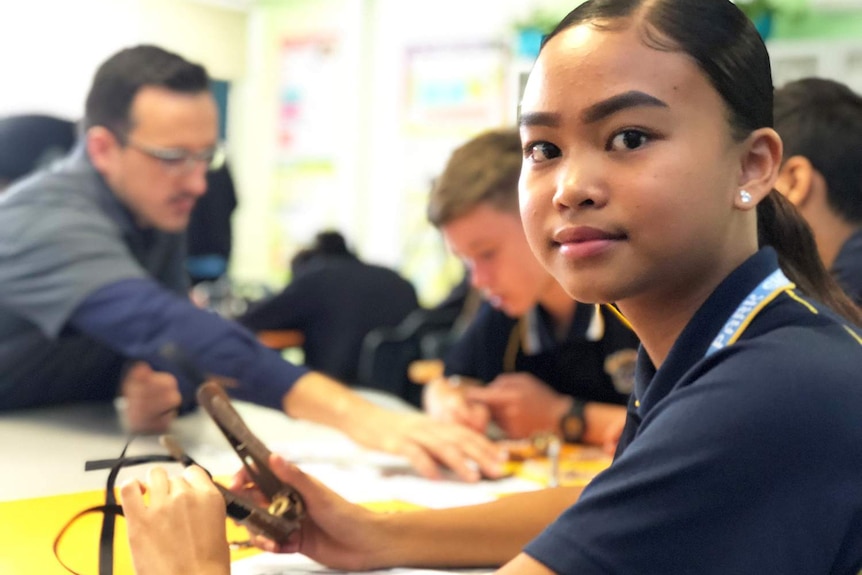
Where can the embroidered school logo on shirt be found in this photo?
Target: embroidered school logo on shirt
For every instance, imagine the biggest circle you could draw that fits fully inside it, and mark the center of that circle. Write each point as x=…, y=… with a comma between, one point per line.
x=620, y=366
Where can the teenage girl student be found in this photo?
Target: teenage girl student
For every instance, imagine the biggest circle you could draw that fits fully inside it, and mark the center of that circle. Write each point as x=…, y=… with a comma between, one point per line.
x=649, y=164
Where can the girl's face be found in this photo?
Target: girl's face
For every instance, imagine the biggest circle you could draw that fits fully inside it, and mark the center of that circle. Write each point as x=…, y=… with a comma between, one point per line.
x=630, y=172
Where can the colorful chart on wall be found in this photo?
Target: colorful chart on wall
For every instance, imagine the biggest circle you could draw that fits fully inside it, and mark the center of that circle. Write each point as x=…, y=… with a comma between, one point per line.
x=455, y=89
x=452, y=91
x=310, y=74
x=307, y=95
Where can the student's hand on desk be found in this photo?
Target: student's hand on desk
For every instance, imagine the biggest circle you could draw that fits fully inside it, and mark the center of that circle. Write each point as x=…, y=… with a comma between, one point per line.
x=521, y=404
x=334, y=532
x=149, y=398
x=444, y=400
x=182, y=528
x=428, y=444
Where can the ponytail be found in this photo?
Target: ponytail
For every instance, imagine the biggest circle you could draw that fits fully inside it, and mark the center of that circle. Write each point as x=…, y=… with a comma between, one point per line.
x=780, y=226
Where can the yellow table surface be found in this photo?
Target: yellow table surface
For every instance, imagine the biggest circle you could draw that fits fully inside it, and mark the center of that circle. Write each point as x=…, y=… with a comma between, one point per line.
x=28, y=527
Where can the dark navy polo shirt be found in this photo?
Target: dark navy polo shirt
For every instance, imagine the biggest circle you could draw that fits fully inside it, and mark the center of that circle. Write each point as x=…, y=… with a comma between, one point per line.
x=847, y=267
x=577, y=366
x=335, y=303
x=747, y=461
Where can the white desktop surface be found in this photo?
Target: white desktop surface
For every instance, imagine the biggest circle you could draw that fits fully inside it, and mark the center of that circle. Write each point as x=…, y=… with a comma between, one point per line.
x=44, y=450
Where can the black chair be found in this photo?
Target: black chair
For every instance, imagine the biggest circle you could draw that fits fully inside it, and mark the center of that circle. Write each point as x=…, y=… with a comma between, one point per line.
x=32, y=141
x=387, y=352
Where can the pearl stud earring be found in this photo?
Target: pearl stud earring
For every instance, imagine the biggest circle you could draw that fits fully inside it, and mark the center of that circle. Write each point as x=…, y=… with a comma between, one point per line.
x=745, y=197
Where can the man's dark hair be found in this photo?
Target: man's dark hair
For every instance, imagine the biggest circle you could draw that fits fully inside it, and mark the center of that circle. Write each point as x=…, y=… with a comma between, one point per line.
x=822, y=120
x=119, y=79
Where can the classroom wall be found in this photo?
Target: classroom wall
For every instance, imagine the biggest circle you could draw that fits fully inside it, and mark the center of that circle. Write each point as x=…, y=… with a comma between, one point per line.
x=376, y=190
x=822, y=20
x=365, y=170
x=49, y=49
x=376, y=181
x=280, y=207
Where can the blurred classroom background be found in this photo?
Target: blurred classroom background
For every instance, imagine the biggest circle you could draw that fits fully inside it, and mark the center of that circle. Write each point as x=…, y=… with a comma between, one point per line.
x=339, y=113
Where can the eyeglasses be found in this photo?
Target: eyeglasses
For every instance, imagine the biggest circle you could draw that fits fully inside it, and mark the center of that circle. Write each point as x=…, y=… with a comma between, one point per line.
x=180, y=162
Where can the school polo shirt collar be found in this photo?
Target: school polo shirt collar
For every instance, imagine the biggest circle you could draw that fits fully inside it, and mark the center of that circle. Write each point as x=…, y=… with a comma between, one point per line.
x=652, y=385
x=540, y=333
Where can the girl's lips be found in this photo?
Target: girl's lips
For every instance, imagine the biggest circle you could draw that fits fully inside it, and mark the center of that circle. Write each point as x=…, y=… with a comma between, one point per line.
x=584, y=242
x=580, y=234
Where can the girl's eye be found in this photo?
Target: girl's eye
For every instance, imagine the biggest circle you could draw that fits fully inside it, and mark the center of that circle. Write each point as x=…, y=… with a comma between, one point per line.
x=628, y=140
x=541, y=152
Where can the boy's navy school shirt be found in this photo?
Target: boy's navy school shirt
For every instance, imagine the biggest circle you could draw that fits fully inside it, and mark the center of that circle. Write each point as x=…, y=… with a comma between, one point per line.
x=847, y=267
x=746, y=461
x=83, y=291
x=578, y=366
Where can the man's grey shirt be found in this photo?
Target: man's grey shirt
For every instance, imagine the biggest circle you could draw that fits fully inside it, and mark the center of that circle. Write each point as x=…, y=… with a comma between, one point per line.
x=64, y=235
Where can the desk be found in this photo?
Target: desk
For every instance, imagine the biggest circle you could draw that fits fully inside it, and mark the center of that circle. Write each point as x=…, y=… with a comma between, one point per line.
x=44, y=483
x=281, y=338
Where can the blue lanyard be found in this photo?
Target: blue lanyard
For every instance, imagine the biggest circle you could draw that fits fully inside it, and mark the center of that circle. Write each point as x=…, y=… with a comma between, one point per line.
x=764, y=293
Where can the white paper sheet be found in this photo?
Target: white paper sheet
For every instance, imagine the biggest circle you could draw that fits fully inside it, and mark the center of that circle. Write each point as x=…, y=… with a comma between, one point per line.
x=363, y=476
x=272, y=564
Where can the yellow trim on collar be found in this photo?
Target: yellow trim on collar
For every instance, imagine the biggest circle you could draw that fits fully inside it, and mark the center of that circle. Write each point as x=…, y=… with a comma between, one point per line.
x=617, y=313
x=795, y=296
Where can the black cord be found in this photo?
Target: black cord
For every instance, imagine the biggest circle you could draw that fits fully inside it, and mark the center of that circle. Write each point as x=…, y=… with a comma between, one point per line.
x=111, y=509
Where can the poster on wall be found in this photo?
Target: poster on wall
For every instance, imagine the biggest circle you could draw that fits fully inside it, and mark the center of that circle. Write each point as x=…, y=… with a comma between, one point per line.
x=307, y=93
x=309, y=82
x=452, y=91
x=456, y=89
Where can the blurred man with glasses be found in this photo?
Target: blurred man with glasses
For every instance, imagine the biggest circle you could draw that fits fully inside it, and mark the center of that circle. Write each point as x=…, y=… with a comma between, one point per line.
x=93, y=288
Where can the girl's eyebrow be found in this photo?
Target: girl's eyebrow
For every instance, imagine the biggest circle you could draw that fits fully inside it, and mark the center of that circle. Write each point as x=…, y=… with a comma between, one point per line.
x=614, y=104
x=546, y=119
x=596, y=112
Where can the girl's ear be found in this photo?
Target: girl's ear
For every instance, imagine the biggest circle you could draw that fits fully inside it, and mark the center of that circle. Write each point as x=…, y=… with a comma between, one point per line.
x=759, y=163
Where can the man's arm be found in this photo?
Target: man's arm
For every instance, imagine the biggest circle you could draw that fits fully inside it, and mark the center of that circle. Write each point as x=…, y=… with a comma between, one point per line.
x=425, y=442
x=138, y=318
x=277, y=312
